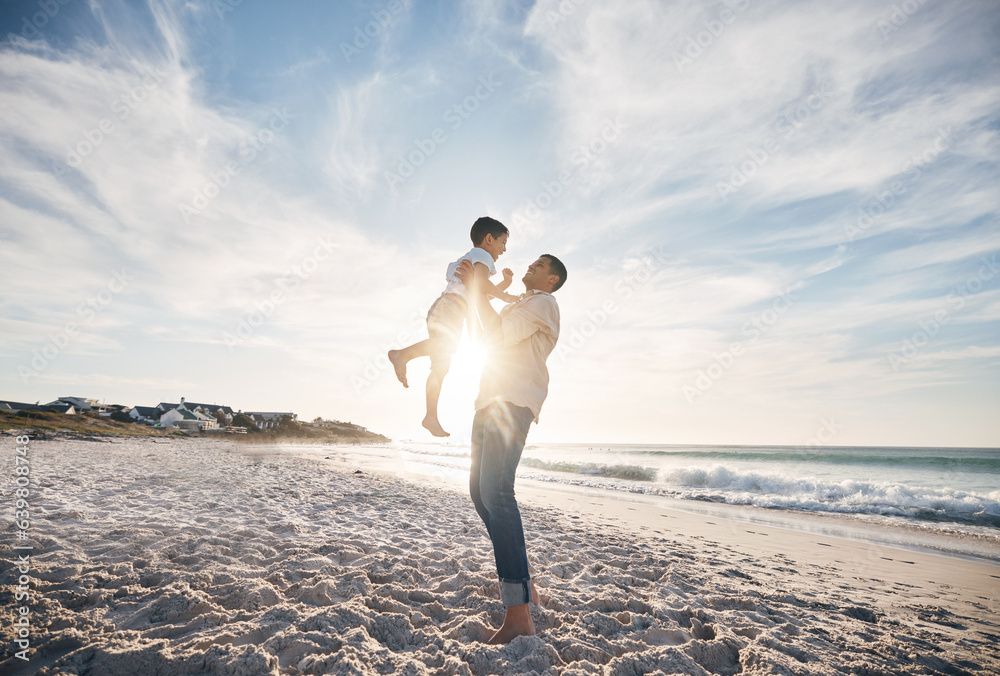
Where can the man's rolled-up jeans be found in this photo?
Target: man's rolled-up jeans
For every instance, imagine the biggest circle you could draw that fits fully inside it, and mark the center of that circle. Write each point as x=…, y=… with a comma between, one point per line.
x=498, y=434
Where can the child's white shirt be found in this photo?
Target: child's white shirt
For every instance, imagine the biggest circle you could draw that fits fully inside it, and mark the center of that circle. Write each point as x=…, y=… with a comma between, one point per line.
x=476, y=255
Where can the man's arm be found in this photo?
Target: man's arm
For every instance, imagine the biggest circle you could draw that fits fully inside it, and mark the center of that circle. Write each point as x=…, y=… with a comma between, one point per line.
x=475, y=328
x=519, y=325
x=487, y=315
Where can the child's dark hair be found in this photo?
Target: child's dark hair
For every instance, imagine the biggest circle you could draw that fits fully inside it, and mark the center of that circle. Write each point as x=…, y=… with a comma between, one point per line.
x=487, y=226
x=557, y=268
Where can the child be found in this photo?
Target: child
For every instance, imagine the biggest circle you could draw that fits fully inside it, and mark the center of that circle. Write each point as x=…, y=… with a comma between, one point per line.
x=446, y=315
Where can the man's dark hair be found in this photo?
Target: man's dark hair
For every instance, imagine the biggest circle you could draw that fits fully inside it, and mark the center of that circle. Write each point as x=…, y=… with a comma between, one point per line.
x=487, y=226
x=556, y=267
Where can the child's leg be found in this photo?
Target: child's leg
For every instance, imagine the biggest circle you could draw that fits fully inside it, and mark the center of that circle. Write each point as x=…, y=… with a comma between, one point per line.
x=434, y=381
x=440, y=316
x=440, y=363
x=399, y=358
x=444, y=328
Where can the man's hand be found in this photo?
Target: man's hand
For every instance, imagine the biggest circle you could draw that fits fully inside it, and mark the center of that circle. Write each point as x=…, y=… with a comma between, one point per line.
x=508, y=275
x=466, y=272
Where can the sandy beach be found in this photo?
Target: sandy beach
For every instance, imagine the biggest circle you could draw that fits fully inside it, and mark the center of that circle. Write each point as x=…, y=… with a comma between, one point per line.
x=194, y=556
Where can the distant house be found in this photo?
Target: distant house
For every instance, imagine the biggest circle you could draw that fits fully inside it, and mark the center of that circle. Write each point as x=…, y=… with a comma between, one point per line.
x=264, y=421
x=267, y=419
x=207, y=409
x=15, y=406
x=213, y=410
x=164, y=406
x=184, y=419
x=144, y=414
x=180, y=416
x=80, y=404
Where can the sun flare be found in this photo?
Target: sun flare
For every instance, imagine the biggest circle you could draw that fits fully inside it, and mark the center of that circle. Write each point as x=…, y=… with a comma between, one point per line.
x=467, y=364
x=462, y=383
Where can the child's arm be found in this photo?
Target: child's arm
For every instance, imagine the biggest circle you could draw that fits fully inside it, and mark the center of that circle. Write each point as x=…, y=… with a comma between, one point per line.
x=508, y=277
x=489, y=288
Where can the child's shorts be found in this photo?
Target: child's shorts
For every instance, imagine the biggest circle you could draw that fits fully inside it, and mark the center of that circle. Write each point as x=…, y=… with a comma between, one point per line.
x=444, y=323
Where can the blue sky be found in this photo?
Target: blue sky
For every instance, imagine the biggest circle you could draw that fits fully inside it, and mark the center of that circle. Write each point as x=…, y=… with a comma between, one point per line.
x=779, y=218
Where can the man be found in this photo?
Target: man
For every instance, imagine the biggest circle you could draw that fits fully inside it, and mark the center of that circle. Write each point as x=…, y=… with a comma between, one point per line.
x=514, y=384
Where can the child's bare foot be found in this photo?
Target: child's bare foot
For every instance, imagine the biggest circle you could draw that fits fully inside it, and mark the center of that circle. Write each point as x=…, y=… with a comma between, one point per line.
x=399, y=366
x=434, y=427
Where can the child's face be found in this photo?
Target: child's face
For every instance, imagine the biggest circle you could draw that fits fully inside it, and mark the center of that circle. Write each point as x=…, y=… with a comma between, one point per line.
x=496, y=246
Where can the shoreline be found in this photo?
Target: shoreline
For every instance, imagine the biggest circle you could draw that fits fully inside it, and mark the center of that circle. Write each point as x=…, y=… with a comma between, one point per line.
x=915, y=536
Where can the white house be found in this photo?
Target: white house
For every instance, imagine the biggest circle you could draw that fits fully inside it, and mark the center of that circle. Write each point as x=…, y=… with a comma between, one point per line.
x=178, y=415
x=212, y=410
x=181, y=417
x=207, y=409
x=79, y=404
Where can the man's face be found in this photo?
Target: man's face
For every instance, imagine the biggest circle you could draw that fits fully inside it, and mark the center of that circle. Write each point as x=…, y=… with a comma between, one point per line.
x=538, y=276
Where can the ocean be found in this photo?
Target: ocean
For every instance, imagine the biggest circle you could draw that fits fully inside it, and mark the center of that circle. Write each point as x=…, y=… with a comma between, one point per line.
x=947, y=489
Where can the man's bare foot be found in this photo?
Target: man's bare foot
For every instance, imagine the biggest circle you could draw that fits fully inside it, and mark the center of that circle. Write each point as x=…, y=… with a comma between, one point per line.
x=517, y=622
x=434, y=427
x=399, y=366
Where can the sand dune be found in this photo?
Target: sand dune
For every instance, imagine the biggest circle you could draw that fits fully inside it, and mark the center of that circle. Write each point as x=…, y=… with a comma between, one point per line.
x=191, y=557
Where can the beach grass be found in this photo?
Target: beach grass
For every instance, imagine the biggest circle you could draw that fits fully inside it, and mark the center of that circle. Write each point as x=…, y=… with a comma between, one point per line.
x=52, y=423
x=299, y=433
